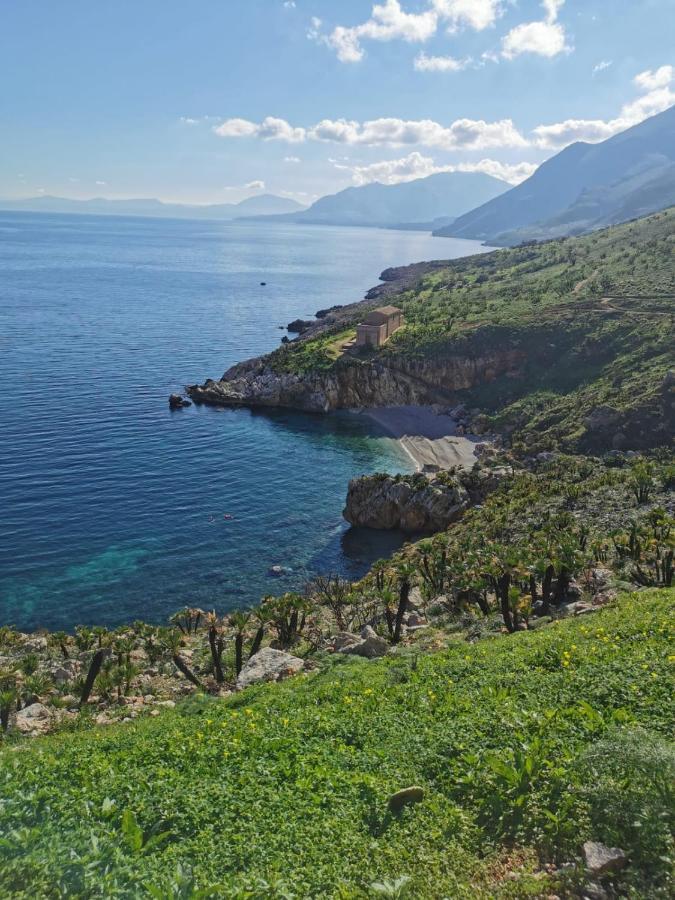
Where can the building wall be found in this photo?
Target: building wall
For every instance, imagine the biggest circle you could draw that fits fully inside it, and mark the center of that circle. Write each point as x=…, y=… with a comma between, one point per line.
x=375, y=335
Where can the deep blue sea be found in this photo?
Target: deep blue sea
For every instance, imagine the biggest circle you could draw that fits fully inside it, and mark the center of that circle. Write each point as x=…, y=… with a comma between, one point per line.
x=112, y=507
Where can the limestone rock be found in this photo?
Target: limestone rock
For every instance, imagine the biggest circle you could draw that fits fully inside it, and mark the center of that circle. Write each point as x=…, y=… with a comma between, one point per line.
x=600, y=859
x=268, y=665
x=414, y=503
x=34, y=719
x=343, y=639
x=371, y=645
x=353, y=384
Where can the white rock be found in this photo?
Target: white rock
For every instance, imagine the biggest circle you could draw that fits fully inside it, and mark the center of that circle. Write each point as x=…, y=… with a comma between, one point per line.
x=268, y=665
x=600, y=859
x=34, y=719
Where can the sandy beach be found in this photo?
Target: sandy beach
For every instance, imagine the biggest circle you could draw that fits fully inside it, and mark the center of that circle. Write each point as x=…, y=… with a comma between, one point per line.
x=430, y=439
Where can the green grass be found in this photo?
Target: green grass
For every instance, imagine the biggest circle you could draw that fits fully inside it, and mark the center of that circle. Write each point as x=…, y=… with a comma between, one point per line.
x=537, y=740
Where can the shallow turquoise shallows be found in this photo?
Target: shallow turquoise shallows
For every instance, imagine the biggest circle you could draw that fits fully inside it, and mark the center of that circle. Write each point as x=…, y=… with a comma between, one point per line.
x=113, y=508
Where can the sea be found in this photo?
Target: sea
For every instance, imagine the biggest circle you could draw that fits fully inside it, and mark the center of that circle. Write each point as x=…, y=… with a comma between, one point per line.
x=112, y=507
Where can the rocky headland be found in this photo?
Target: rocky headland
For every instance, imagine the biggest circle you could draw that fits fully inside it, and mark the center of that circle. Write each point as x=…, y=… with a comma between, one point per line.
x=418, y=503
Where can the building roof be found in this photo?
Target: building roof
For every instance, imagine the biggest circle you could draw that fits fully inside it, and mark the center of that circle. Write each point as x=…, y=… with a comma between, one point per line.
x=380, y=315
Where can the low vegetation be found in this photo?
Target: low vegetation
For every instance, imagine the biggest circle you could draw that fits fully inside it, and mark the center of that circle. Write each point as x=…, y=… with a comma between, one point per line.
x=524, y=746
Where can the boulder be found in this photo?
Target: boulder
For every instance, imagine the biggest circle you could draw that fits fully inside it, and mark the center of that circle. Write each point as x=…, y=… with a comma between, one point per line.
x=268, y=665
x=599, y=578
x=404, y=797
x=601, y=859
x=343, y=639
x=34, y=720
x=177, y=402
x=370, y=646
x=65, y=670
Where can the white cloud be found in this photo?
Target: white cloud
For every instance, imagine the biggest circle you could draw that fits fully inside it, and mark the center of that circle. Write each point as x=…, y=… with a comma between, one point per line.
x=477, y=14
x=292, y=159
x=658, y=98
x=659, y=78
x=255, y=185
x=101, y=183
x=289, y=4
x=601, y=66
x=543, y=38
x=386, y=132
x=269, y=129
x=552, y=8
x=415, y=165
x=188, y=120
x=389, y=21
x=424, y=63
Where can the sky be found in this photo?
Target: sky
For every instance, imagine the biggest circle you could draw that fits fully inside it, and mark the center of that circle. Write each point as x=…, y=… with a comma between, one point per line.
x=212, y=101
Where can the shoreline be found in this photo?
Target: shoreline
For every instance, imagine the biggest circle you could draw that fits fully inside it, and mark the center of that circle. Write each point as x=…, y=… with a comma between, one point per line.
x=430, y=439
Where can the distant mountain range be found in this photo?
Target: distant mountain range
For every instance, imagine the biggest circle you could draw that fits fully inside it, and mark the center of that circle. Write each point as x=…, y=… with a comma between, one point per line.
x=263, y=205
x=413, y=203
x=584, y=187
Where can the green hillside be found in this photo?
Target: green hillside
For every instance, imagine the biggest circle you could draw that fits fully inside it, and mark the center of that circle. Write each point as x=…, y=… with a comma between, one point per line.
x=542, y=740
x=591, y=319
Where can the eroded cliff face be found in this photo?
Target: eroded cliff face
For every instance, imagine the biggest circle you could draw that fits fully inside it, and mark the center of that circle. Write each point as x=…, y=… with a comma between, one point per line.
x=419, y=503
x=416, y=504
x=352, y=383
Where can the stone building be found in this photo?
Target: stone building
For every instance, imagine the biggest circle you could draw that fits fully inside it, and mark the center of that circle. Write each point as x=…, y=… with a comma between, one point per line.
x=378, y=326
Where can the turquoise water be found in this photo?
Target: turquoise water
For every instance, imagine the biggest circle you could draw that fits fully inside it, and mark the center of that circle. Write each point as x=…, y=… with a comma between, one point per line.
x=112, y=506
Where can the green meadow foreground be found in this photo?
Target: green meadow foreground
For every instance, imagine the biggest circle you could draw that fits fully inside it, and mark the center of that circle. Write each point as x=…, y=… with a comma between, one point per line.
x=525, y=746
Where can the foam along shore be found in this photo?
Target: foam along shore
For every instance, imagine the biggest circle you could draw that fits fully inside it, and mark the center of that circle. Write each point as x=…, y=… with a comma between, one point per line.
x=430, y=438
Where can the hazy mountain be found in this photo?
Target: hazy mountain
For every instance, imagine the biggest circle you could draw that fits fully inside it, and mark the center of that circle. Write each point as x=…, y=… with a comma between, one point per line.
x=446, y=195
x=265, y=204
x=583, y=187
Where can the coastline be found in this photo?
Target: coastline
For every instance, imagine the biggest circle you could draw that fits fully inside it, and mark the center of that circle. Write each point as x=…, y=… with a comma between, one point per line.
x=429, y=438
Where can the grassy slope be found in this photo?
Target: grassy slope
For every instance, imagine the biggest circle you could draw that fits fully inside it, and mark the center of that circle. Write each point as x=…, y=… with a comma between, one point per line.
x=547, y=300
x=287, y=785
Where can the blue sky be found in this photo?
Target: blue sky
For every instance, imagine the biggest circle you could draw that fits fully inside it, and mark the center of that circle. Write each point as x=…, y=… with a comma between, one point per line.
x=209, y=100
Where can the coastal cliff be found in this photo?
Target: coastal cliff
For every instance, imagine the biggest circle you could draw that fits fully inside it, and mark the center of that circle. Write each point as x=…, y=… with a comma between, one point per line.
x=564, y=345
x=352, y=383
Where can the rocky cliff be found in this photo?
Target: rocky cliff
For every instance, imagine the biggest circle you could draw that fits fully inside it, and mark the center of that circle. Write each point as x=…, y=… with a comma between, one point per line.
x=418, y=503
x=351, y=383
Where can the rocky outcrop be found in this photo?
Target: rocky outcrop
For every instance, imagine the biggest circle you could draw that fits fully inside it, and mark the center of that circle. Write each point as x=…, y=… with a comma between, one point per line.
x=268, y=665
x=369, y=646
x=177, y=402
x=410, y=503
x=352, y=383
x=34, y=720
x=298, y=326
x=420, y=502
x=600, y=859
x=256, y=384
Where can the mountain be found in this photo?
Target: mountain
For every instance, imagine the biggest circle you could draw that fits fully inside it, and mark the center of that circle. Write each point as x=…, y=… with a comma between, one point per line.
x=584, y=187
x=264, y=205
x=446, y=195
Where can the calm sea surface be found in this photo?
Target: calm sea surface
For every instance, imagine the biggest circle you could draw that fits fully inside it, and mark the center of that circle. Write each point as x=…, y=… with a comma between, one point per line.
x=112, y=507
